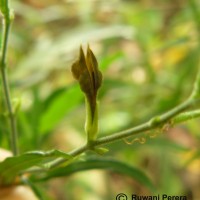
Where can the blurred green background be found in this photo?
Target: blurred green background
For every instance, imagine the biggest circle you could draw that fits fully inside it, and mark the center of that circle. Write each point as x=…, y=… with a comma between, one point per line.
x=148, y=52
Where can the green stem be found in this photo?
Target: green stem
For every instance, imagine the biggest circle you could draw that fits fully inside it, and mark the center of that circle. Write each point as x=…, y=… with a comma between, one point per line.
x=173, y=116
x=5, y=34
x=176, y=115
x=91, y=123
x=12, y=120
x=73, y=154
x=153, y=123
x=183, y=117
x=11, y=115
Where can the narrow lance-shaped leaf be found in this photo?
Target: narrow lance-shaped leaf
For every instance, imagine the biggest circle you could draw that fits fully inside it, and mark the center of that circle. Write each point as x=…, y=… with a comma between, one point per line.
x=12, y=166
x=108, y=164
x=59, y=106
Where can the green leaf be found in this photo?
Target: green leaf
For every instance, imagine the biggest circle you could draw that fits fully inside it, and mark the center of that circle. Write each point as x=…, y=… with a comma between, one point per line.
x=112, y=165
x=12, y=166
x=101, y=150
x=61, y=105
x=106, y=61
x=56, y=153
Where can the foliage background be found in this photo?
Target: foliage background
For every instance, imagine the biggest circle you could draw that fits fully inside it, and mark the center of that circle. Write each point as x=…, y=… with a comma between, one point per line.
x=148, y=52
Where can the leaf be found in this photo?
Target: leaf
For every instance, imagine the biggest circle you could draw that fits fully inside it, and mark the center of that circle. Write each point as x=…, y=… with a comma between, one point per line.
x=12, y=166
x=112, y=165
x=56, y=153
x=61, y=105
x=101, y=150
x=106, y=61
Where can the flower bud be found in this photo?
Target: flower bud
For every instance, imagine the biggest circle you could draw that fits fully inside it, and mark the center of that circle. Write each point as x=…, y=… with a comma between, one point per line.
x=86, y=71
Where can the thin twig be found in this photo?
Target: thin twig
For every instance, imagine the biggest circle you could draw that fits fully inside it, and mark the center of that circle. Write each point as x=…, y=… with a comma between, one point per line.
x=11, y=115
x=183, y=117
x=153, y=123
x=174, y=116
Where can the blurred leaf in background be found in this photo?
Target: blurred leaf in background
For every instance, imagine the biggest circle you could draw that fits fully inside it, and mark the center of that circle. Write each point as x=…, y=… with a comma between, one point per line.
x=149, y=54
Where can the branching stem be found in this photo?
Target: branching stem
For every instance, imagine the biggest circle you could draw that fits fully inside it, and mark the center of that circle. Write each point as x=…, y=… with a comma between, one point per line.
x=176, y=115
x=173, y=116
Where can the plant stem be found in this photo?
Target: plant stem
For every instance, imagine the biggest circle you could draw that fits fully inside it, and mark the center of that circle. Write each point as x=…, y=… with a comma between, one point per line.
x=153, y=123
x=73, y=154
x=12, y=120
x=186, y=116
x=174, y=116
